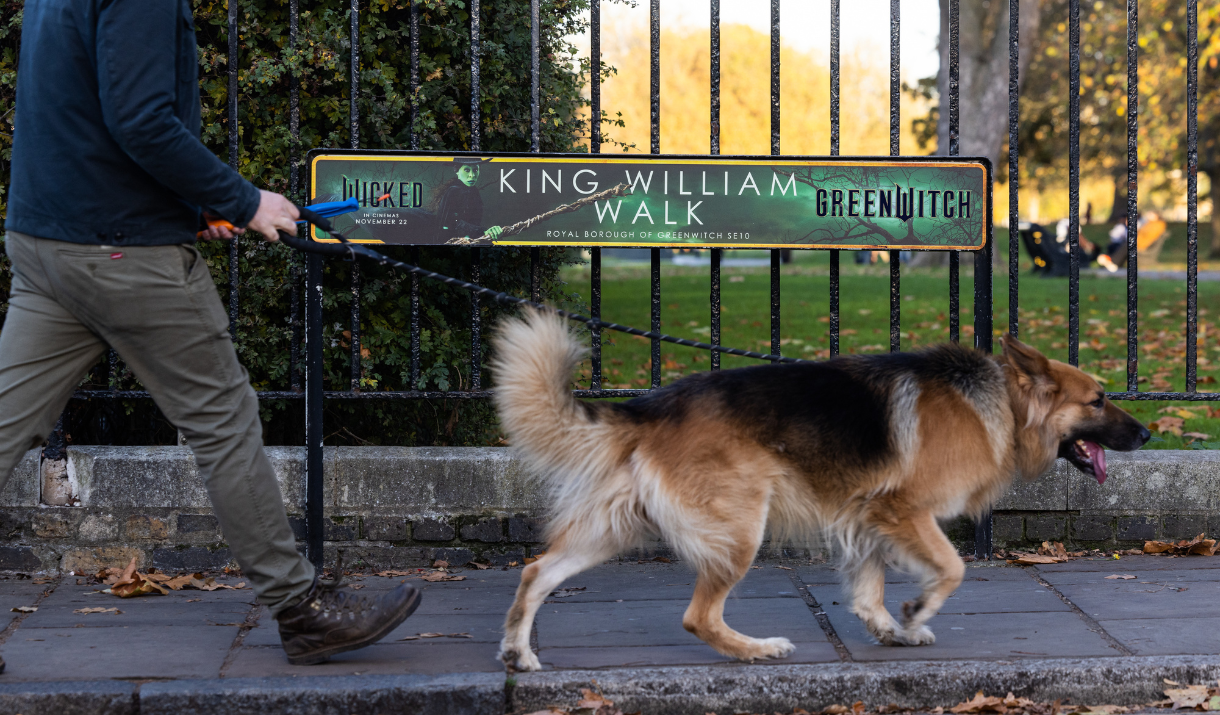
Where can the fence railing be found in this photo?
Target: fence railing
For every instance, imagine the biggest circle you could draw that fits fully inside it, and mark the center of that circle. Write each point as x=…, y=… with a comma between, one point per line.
x=307, y=328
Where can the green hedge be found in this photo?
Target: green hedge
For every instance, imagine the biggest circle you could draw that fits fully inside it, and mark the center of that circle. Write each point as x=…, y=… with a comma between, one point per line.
x=320, y=62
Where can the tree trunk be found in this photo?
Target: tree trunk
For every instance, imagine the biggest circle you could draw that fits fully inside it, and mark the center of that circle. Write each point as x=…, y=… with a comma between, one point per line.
x=1215, y=192
x=983, y=74
x=982, y=83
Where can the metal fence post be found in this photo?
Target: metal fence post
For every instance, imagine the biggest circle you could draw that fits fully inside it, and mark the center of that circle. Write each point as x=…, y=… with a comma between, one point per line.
x=982, y=341
x=313, y=409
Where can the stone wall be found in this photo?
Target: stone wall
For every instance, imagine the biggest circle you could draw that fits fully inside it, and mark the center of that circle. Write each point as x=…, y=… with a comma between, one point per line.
x=404, y=507
x=1153, y=494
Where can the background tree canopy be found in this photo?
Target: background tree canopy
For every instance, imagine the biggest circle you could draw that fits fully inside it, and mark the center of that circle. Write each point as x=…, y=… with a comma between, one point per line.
x=320, y=63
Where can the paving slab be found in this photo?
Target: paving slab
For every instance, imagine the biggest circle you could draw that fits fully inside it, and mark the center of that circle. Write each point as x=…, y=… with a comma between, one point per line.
x=1167, y=636
x=825, y=574
x=972, y=596
x=659, y=623
x=135, y=651
x=471, y=596
x=666, y=655
x=179, y=608
x=424, y=656
x=1056, y=578
x=14, y=594
x=1145, y=598
x=485, y=628
x=606, y=583
x=991, y=636
x=1140, y=561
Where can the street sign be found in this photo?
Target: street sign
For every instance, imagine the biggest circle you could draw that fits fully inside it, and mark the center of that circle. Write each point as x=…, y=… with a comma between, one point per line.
x=636, y=200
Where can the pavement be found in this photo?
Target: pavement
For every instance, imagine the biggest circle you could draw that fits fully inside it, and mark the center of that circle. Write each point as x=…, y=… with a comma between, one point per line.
x=1059, y=631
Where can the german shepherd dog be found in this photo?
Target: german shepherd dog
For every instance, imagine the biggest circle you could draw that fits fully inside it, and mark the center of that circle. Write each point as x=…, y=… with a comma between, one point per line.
x=869, y=450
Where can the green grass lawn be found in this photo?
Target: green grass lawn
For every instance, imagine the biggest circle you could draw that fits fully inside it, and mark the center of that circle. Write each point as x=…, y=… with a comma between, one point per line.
x=864, y=323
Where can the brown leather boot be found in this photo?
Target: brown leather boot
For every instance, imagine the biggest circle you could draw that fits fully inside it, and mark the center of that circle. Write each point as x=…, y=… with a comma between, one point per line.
x=332, y=620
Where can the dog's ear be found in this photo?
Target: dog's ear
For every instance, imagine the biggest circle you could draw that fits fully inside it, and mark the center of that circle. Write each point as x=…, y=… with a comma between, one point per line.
x=1033, y=376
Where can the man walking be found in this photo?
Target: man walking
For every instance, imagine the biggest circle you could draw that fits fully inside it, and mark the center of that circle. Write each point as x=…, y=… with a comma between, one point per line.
x=108, y=181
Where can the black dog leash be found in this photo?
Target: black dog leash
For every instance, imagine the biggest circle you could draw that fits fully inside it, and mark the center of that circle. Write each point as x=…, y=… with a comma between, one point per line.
x=348, y=250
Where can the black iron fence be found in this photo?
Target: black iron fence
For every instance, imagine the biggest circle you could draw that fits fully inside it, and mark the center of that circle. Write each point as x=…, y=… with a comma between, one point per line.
x=307, y=274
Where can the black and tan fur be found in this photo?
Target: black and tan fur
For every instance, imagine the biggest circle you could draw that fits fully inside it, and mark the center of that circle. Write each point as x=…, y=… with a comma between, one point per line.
x=870, y=451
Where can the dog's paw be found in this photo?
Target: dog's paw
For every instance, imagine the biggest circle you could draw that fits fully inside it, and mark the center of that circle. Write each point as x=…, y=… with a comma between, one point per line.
x=762, y=649
x=885, y=634
x=915, y=636
x=775, y=647
x=519, y=660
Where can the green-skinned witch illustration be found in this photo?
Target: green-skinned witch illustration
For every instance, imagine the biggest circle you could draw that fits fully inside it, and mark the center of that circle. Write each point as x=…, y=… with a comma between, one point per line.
x=456, y=207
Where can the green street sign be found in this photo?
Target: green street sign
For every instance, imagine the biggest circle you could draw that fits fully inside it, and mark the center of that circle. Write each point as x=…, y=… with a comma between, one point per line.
x=426, y=198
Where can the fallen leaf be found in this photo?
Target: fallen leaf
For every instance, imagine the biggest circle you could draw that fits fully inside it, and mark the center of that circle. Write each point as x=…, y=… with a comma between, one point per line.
x=1195, y=435
x=661, y=559
x=786, y=568
x=1056, y=549
x=835, y=710
x=1167, y=425
x=431, y=635
x=434, y=576
x=1192, y=696
x=439, y=564
x=193, y=600
x=98, y=610
x=208, y=584
x=43, y=580
x=1124, y=577
x=478, y=565
x=394, y=574
x=1035, y=559
x=24, y=609
x=1199, y=546
x=980, y=703
x=1176, y=410
x=178, y=583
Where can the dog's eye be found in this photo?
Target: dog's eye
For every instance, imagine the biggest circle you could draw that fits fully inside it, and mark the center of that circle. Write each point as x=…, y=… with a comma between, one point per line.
x=1099, y=403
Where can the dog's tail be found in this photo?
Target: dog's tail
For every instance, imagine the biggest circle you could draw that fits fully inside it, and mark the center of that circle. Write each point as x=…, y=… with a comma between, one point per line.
x=564, y=440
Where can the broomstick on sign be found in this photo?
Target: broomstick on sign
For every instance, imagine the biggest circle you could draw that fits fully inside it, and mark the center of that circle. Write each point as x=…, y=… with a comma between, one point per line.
x=516, y=228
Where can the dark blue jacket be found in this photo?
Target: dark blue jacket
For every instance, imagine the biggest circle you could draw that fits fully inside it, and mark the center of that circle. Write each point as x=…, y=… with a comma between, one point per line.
x=106, y=145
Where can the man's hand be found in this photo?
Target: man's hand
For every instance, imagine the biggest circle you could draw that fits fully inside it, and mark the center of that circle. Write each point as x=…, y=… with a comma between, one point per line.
x=275, y=213
x=221, y=230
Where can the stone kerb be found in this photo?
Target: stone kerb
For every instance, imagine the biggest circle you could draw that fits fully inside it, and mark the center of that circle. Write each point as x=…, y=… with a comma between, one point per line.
x=405, y=506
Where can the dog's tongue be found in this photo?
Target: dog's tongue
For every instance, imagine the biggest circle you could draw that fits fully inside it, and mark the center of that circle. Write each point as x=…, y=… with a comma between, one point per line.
x=1098, y=455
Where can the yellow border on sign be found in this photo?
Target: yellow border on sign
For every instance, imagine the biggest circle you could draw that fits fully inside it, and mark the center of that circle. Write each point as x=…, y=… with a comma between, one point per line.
x=605, y=159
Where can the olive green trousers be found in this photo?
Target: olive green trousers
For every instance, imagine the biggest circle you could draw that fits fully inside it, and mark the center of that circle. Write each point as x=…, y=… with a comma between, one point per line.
x=158, y=308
